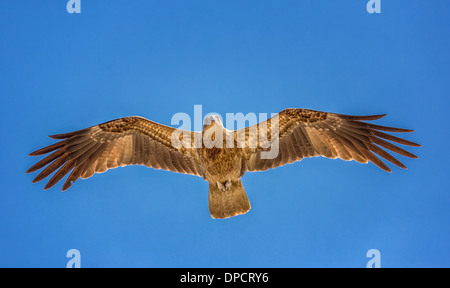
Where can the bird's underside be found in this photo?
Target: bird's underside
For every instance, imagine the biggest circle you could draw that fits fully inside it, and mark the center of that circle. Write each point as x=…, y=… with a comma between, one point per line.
x=295, y=134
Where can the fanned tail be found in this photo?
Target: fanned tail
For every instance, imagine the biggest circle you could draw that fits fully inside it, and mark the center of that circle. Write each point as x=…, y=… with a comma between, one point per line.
x=225, y=204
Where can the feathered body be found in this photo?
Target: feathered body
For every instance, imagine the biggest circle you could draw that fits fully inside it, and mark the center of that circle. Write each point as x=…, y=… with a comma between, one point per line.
x=298, y=134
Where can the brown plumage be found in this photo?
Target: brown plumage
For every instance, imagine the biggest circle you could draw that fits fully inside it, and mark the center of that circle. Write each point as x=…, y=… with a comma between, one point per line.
x=297, y=133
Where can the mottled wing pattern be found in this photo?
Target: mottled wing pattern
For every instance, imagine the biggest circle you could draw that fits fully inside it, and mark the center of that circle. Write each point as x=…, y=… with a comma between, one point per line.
x=304, y=133
x=121, y=142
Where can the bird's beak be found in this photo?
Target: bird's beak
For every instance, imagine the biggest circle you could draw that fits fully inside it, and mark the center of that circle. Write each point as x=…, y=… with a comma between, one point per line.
x=212, y=120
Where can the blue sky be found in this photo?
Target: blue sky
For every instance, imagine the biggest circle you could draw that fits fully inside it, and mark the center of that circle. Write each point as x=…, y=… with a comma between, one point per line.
x=62, y=72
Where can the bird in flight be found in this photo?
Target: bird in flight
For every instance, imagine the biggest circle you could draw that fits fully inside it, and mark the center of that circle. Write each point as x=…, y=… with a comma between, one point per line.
x=297, y=133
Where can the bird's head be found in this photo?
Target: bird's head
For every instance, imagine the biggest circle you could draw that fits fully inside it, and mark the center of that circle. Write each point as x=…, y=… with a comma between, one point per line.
x=212, y=120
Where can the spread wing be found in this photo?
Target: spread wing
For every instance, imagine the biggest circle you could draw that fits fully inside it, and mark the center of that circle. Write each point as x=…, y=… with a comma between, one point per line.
x=303, y=133
x=121, y=142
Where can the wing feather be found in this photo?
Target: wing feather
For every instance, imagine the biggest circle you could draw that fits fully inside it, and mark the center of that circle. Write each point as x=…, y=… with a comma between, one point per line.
x=121, y=142
x=46, y=160
x=306, y=133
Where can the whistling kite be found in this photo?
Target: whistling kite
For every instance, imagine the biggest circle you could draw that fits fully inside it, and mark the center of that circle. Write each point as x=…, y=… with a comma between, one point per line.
x=300, y=133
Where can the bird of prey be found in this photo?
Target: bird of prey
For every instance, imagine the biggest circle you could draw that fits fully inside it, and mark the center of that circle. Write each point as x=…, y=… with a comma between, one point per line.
x=298, y=133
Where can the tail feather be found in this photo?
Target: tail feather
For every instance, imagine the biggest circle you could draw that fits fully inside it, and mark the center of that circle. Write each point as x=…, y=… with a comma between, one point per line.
x=225, y=204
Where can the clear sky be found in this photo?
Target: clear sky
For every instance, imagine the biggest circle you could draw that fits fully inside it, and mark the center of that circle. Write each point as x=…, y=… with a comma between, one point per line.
x=62, y=72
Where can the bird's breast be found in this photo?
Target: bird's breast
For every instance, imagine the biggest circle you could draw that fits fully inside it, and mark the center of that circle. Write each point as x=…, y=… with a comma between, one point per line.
x=221, y=163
